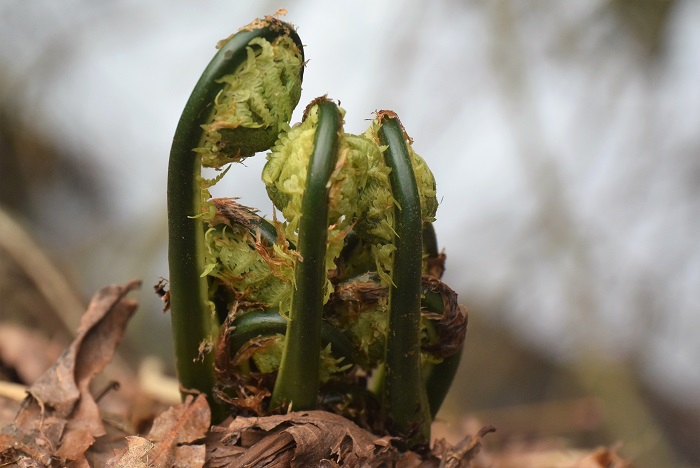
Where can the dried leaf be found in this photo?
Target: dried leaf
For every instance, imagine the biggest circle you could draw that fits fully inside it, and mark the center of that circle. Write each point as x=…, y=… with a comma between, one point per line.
x=9, y=405
x=172, y=440
x=436, y=265
x=465, y=451
x=59, y=418
x=312, y=438
x=135, y=455
x=228, y=211
x=107, y=445
x=182, y=424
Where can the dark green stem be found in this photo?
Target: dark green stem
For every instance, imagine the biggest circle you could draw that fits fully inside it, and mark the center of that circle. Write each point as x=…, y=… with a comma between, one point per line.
x=194, y=323
x=297, y=382
x=269, y=322
x=439, y=377
x=440, y=380
x=430, y=245
x=404, y=399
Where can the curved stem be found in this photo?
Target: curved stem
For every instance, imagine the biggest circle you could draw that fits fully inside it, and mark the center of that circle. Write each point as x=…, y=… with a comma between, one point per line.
x=297, y=382
x=194, y=324
x=439, y=377
x=440, y=380
x=430, y=244
x=405, y=402
x=269, y=322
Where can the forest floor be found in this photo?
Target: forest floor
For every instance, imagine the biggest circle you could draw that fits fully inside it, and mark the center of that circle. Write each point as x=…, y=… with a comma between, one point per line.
x=80, y=405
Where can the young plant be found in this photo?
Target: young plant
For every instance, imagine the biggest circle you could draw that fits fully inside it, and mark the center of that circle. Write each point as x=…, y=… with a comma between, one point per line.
x=405, y=399
x=294, y=315
x=298, y=377
x=237, y=108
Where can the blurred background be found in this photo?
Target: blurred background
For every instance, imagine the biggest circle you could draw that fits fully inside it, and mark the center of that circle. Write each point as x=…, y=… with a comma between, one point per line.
x=564, y=137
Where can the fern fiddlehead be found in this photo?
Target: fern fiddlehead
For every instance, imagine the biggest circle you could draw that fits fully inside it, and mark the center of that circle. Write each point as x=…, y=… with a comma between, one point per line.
x=347, y=285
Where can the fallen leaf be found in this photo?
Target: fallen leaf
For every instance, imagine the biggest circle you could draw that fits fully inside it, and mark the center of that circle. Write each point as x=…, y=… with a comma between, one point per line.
x=172, y=440
x=464, y=452
x=177, y=429
x=60, y=419
x=135, y=455
x=309, y=438
x=8, y=405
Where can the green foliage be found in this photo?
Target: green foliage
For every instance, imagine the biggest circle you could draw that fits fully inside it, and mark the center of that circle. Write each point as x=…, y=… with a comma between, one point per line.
x=254, y=104
x=235, y=264
x=330, y=294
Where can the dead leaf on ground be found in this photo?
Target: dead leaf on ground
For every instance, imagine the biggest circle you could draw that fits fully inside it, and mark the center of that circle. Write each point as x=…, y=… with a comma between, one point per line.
x=134, y=455
x=173, y=440
x=8, y=406
x=60, y=419
x=319, y=438
x=464, y=452
x=297, y=439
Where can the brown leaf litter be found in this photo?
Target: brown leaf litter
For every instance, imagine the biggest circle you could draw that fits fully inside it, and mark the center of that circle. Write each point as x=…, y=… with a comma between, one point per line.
x=60, y=424
x=172, y=440
x=319, y=438
x=297, y=439
x=59, y=419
